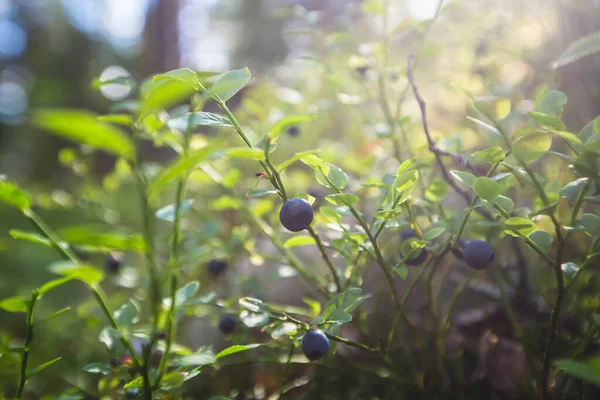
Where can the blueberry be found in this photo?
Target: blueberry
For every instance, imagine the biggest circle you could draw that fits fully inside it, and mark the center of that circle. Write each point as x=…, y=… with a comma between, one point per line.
x=227, y=324
x=408, y=233
x=113, y=262
x=418, y=260
x=296, y=215
x=115, y=362
x=315, y=345
x=362, y=70
x=132, y=393
x=216, y=267
x=293, y=130
x=478, y=254
x=458, y=250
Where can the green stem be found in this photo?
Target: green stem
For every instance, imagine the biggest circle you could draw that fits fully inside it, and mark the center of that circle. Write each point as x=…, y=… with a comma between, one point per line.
x=286, y=371
x=325, y=257
x=27, y=345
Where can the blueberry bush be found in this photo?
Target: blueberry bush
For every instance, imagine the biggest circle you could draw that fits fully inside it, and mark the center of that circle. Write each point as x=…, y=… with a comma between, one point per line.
x=498, y=240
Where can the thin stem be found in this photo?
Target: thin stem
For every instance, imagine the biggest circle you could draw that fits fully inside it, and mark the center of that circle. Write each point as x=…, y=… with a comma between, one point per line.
x=27, y=345
x=325, y=257
x=286, y=371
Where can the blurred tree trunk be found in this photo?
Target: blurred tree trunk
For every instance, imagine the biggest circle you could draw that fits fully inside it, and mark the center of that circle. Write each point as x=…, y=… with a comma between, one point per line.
x=161, y=38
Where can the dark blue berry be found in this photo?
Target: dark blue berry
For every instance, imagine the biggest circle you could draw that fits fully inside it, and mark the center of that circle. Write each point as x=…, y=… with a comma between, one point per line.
x=216, y=267
x=362, y=70
x=115, y=362
x=132, y=393
x=296, y=215
x=293, y=130
x=418, y=260
x=113, y=262
x=408, y=233
x=227, y=324
x=478, y=254
x=315, y=344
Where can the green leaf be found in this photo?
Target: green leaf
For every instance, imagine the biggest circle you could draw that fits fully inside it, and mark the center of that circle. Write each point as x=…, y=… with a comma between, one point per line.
x=97, y=368
x=128, y=314
x=342, y=199
x=568, y=137
x=547, y=120
x=136, y=383
x=185, y=75
x=117, y=119
x=491, y=155
x=315, y=163
x=464, y=177
x=572, y=189
x=83, y=127
x=94, y=237
x=405, y=183
x=163, y=94
x=553, y=103
x=504, y=203
x=518, y=226
x=287, y=122
x=570, y=269
x=84, y=273
x=31, y=237
x=597, y=319
x=12, y=195
x=580, y=48
x=14, y=304
x=236, y=349
x=437, y=190
x=401, y=270
x=299, y=241
x=228, y=84
x=42, y=367
x=486, y=126
x=406, y=165
x=531, y=147
x=262, y=192
x=335, y=175
x=542, y=238
x=241, y=152
x=179, y=168
x=580, y=370
x=549, y=210
x=185, y=293
x=202, y=356
x=296, y=157
x=112, y=340
x=119, y=80
x=252, y=304
x=339, y=307
x=487, y=188
x=167, y=213
x=56, y=314
x=195, y=119
x=53, y=284
x=590, y=223
x=433, y=233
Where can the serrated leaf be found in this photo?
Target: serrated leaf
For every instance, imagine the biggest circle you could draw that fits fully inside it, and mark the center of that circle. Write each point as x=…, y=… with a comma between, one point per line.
x=12, y=195
x=299, y=241
x=531, y=147
x=335, y=174
x=287, y=122
x=195, y=119
x=518, y=226
x=491, y=155
x=342, y=199
x=83, y=127
x=580, y=48
x=15, y=304
x=487, y=188
x=464, y=177
x=82, y=272
x=228, y=84
x=236, y=349
x=167, y=213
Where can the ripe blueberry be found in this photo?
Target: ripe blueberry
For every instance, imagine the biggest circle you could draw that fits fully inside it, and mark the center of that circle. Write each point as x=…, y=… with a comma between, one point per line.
x=315, y=344
x=296, y=215
x=227, y=324
x=293, y=130
x=113, y=262
x=132, y=393
x=422, y=256
x=216, y=267
x=478, y=254
x=362, y=70
x=458, y=250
